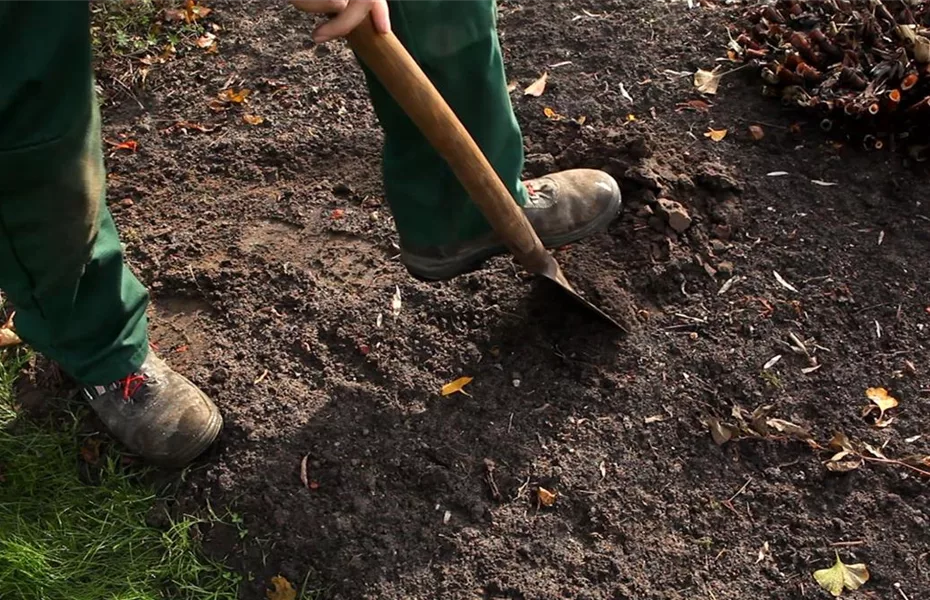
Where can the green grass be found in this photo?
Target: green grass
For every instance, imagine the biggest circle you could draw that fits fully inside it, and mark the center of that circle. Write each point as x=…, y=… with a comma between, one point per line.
x=135, y=27
x=63, y=538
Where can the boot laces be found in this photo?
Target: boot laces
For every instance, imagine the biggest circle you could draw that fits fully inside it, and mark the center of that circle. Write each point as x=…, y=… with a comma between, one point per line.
x=131, y=384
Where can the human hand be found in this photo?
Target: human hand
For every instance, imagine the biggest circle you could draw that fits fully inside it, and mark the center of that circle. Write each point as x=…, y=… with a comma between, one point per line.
x=348, y=15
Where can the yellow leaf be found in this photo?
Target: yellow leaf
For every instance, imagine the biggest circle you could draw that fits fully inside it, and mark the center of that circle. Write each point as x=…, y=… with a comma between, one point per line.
x=536, y=88
x=281, y=589
x=551, y=114
x=841, y=576
x=716, y=134
x=882, y=399
x=630, y=118
x=456, y=386
x=580, y=120
x=706, y=82
x=546, y=498
x=253, y=119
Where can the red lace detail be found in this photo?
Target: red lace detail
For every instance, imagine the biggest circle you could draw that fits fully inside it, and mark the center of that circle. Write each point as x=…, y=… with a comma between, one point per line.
x=131, y=385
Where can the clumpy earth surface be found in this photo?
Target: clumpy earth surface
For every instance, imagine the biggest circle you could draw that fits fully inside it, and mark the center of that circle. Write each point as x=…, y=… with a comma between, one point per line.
x=272, y=262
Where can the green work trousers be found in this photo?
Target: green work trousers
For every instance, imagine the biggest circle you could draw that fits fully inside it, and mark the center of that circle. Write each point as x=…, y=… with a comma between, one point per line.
x=61, y=262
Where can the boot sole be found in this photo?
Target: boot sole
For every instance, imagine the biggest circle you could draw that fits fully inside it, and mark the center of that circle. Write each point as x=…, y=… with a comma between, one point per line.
x=428, y=269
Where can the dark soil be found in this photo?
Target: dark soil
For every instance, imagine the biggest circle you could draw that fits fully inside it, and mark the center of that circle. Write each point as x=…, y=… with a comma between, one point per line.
x=271, y=301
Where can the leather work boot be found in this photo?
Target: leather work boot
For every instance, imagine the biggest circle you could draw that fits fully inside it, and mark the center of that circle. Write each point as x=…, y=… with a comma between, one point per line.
x=157, y=413
x=563, y=207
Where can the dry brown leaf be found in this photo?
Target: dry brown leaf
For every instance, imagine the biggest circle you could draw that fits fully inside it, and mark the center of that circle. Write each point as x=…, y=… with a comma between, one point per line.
x=8, y=335
x=90, y=450
x=228, y=95
x=840, y=576
x=456, y=386
x=841, y=442
x=790, y=428
x=917, y=460
x=546, y=498
x=756, y=132
x=707, y=82
x=696, y=105
x=843, y=462
x=715, y=134
x=281, y=589
x=253, y=119
x=870, y=449
x=206, y=40
x=536, y=88
x=721, y=432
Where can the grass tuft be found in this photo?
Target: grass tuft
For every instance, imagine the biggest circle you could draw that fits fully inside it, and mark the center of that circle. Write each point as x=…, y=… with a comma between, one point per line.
x=63, y=538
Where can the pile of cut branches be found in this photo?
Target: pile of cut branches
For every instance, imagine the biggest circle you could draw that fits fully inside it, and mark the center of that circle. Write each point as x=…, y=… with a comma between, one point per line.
x=861, y=66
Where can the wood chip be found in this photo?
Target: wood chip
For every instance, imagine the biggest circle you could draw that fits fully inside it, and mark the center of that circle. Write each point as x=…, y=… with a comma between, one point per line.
x=772, y=362
x=809, y=370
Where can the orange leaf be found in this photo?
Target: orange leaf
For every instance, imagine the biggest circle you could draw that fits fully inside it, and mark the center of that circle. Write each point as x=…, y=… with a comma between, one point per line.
x=131, y=145
x=546, y=498
x=239, y=97
x=536, y=88
x=456, y=386
x=281, y=589
x=551, y=114
x=716, y=134
x=253, y=119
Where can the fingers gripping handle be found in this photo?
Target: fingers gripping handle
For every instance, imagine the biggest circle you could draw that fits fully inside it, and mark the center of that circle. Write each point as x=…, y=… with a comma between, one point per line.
x=412, y=90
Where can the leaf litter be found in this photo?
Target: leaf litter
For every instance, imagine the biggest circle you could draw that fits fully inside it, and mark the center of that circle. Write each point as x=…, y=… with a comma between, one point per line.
x=537, y=88
x=456, y=386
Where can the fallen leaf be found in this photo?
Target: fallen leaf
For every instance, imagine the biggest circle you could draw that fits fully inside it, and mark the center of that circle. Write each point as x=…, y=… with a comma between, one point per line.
x=917, y=460
x=456, y=386
x=707, y=82
x=771, y=362
x=131, y=145
x=809, y=370
x=281, y=589
x=789, y=428
x=843, y=462
x=536, y=88
x=882, y=423
x=206, y=40
x=580, y=120
x=511, y=86
x=841, y=442
x=551, y=114
x=546, y=498
x=253, y=119
x=630, y=118
x=228, y=95
x=881, y=398
x=396, y=302
x=715, y=134
x=781, y=280
x=625, y=93
x=90, y=450
x=756, y=132
x=840, y=576
x=873, y=451
x=8, y=335
x=721, y=432
x=655, y=418
x=763, y=552
x=338, y=213
x=696, y=105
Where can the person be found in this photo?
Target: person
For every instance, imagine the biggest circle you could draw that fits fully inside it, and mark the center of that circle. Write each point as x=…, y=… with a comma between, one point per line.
x=61, y=262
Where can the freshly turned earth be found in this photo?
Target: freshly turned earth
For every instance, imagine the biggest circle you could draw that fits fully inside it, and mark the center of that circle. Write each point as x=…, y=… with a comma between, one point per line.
x=271, y=257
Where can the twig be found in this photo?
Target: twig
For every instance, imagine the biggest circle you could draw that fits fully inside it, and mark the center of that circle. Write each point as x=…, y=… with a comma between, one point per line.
x=892, y=461
x=847, y=544
x=740, y=491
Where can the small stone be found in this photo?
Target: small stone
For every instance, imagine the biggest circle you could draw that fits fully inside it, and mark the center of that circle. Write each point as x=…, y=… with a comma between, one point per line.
x=676, y=214
x=516, y=383
x=126, y=202
x=220, y=375
x=723, y=232
x=725, y=268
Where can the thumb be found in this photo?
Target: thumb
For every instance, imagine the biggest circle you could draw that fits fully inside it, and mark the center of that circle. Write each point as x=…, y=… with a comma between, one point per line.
x=344, y=22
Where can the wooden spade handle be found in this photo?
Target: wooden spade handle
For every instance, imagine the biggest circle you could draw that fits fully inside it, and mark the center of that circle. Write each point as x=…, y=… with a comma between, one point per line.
x=414, y=92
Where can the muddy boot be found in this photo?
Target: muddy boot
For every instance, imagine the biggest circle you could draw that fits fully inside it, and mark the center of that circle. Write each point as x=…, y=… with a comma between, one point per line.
x=563, y=208
x=158, y=414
